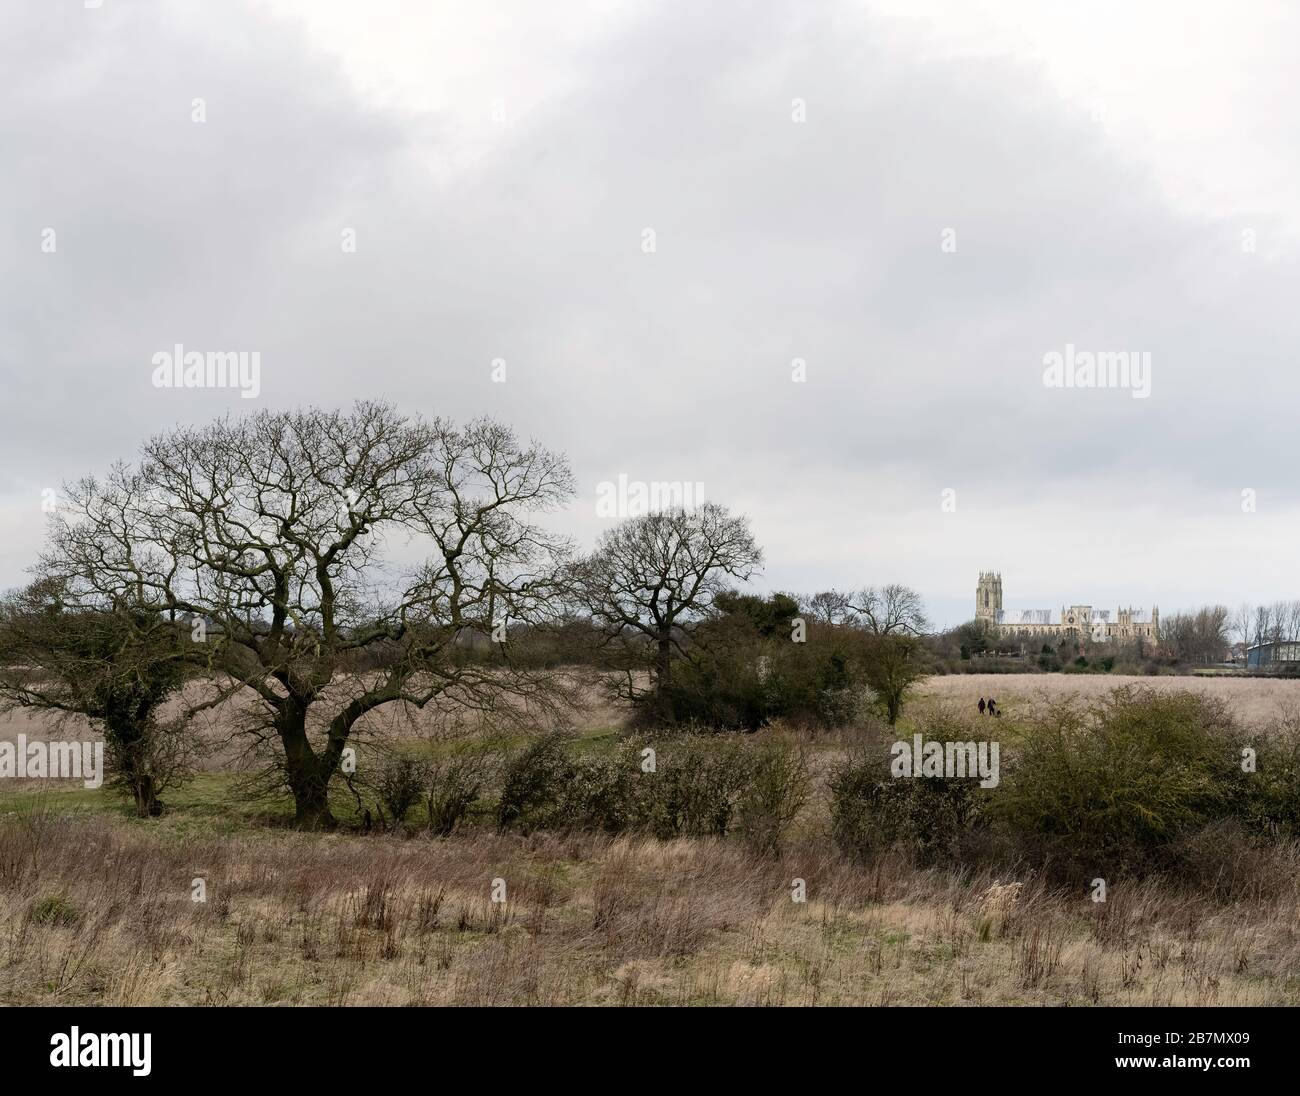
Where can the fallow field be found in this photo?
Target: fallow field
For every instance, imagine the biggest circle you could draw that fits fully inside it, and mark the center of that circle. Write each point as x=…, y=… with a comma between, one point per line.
x=97, y=906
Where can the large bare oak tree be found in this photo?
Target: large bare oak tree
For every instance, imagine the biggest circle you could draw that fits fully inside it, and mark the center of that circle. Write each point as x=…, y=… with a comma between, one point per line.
x=280, y=533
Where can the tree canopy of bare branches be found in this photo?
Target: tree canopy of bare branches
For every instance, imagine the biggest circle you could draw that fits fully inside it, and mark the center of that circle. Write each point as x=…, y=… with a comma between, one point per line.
x=277, y=532
x=1199, y=635
x=828, y=607
x=653, y=577
x=889, y=610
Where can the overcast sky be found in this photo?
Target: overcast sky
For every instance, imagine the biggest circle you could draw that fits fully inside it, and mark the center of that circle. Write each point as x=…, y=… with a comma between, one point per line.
x=1111, y=178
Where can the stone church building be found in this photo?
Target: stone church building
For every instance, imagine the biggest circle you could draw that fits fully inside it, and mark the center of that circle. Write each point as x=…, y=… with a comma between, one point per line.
x=1074, y=621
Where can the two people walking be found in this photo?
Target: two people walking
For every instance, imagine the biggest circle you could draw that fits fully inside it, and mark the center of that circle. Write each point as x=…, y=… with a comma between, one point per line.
x=989, y=707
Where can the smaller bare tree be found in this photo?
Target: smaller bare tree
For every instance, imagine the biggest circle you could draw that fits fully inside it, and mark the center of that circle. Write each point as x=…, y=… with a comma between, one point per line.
x=654, y=577
x=829, y=607
x=1243, y=625
x=890, y=610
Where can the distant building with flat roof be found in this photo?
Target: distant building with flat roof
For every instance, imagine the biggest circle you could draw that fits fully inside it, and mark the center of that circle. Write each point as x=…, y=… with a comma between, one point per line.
x=1262, y=655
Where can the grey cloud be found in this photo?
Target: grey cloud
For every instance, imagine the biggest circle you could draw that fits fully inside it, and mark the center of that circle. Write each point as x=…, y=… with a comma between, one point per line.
x=775, y=241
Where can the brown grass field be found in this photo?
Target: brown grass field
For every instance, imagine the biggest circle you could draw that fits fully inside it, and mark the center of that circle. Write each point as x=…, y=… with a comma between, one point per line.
x=1254, y=700
x=97, y=907
x=100, y=910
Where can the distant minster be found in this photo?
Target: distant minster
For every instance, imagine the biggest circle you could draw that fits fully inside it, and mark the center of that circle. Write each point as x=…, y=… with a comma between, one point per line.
x=1075, y=621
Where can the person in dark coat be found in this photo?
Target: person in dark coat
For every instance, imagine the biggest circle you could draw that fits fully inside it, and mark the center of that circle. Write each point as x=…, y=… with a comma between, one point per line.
x=981, y=705
x=992, y=709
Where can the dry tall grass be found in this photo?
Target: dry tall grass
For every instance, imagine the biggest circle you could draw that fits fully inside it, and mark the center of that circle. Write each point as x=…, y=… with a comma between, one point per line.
x=100, y=910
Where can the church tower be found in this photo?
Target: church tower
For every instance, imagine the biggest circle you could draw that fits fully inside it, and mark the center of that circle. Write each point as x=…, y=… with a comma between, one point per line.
x=988, y=596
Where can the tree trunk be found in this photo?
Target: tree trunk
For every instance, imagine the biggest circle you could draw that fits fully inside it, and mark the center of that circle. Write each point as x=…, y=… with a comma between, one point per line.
x=663, y=676
x=308, y=775
x=311, y=808
x=146, y=796
x=126, y=733
x=663, y=665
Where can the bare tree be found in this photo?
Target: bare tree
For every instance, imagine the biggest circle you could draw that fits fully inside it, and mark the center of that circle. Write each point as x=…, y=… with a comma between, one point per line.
x=1199, y=636
x=1277, y=621
x=275, y=532
x=890, y=610
x=1263, y=624
x=1212, y=632
x=1243, y=625
x=652, y=578
x=829, y=607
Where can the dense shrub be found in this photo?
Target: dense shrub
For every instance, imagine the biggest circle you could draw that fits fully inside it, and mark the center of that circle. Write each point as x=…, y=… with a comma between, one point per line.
x=745, y=672
x=533, y=780
x=1136, y=780
x=400, y=783
x=453, y=786
x=535, y=783
x=547, y=786
x=726, y=689
x=930, y=818
x=603, y=793
x=864, y=822
x=710, y=787
x=846, y=707
x=698, y=786
x=1271, y=805
x=1115, y=782
x=775, y=791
